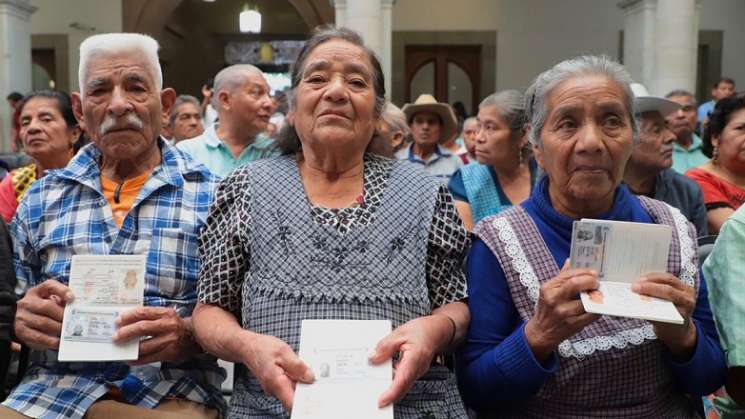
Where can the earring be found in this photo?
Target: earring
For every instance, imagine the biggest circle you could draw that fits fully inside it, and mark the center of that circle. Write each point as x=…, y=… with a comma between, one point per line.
x=715, y=155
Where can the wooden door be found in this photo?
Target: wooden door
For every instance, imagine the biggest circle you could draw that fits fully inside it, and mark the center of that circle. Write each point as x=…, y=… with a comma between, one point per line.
x=452, y=73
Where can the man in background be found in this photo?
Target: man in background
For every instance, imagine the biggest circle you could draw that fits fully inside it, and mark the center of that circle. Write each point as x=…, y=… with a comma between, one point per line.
x=186, y=118
x=687, y=148
x=241, y=97
x=723, y=88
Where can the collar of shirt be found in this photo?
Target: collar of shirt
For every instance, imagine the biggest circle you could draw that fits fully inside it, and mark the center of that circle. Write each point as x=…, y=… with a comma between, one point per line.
x=439, y=152
x=84, y=168
x=696, y=144
x=261, y=142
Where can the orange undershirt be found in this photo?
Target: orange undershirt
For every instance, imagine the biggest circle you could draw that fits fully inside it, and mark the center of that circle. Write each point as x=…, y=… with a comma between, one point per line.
x=127, y=195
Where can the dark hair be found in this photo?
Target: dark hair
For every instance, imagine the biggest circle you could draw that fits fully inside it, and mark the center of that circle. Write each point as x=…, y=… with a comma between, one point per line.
x=64, y=106
x=723, y=80
x=288, y=140
x=719, y=119
x=14, y=96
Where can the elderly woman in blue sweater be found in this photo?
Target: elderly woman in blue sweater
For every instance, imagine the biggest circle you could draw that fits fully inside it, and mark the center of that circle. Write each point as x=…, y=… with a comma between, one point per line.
x=531, y=350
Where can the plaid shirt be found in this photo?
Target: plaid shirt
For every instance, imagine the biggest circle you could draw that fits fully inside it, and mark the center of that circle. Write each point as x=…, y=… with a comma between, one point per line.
x=65, y=213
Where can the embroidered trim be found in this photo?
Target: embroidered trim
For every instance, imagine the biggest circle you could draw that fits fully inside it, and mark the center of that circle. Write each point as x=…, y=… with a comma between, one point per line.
x=620, y=340
x=688, y=268
x=519, y=261
x=529, y=279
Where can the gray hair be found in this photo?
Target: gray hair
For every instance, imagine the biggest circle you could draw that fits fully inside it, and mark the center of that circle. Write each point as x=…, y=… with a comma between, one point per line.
x=681, y=92
x=510, y=105
x=231, y=78
x=116, y=43
x=288, y=140
x=473, y=119
x=395, y=118
x=180, y=100
x=586, y=65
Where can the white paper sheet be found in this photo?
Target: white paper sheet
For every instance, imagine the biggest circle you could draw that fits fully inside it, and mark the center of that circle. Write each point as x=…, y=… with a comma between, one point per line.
x=621, y=253
x=104, y=286
x=347, y=385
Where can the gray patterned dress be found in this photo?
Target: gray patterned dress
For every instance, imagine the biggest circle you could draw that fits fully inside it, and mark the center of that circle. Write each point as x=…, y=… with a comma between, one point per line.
x=273, y=259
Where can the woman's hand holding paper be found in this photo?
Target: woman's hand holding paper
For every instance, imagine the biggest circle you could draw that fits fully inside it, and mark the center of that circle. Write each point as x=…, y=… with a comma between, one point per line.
x=560, y=314
x=679, y=339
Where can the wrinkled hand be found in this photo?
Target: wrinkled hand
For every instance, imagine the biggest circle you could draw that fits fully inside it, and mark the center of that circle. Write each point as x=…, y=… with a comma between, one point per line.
x=416, y=341
x=680, y=339
x=38, y=321
x=169, y=337
x=560, y=314
x=276, y=366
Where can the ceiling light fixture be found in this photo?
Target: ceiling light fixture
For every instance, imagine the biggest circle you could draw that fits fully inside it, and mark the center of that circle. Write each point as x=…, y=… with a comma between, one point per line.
x=249, y=21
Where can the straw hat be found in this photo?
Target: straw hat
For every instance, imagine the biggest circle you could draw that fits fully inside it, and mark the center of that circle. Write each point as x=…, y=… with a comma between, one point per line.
x=428, y=103
x=645, y=102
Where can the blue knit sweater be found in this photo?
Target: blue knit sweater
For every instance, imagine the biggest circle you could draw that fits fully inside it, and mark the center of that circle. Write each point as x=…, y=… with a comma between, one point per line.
x=496, y=365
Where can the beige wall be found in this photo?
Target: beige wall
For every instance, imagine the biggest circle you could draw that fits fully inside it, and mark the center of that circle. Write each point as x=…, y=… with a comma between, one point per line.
x=531, y=35
x=54, y=17
x=445, y=15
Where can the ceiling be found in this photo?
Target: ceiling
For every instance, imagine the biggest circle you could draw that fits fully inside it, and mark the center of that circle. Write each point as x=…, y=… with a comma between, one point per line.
x=220, y=17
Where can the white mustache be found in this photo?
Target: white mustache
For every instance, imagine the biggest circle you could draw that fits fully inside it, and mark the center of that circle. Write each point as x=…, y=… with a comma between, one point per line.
x=130, y=121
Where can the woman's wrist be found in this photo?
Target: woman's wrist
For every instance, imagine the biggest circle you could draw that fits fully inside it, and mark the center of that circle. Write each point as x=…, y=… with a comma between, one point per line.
x=447, y=332
x=541, y=348
x=682, y=342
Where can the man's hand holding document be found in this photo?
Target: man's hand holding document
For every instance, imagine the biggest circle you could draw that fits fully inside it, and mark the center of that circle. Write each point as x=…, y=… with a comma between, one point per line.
x=622, y=253
x=346, y=383
x=104, y=286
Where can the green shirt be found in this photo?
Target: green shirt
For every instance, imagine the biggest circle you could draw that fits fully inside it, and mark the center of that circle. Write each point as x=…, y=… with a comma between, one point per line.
x=209, y=150
x=724, y=271
x=693, y=156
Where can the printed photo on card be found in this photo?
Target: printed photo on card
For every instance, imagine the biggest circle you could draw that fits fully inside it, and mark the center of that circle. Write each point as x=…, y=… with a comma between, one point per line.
x=104, y=286
x=88, y=325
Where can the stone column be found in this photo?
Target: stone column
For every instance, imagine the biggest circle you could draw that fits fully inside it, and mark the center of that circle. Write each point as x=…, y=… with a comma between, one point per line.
x=676, y=46
x=661, y=43
x=387, y=50
x=374, y=21
x=340, y=8
x=639, y=39
x=15, y=58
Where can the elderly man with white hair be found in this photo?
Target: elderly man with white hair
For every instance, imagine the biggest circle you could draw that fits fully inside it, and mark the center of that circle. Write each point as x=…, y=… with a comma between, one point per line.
x=128, y=192
x=241, y=97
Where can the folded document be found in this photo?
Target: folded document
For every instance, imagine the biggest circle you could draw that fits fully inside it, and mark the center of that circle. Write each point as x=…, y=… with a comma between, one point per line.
x=621, y=253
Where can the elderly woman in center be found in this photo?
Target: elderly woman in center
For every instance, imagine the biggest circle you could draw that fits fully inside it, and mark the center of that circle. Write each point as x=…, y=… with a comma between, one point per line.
x=506, y=173
x=531, y=350
x=318, y=234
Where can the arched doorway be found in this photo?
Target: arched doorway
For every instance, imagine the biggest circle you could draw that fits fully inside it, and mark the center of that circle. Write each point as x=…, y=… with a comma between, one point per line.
x=194, y=34
x=452, y=73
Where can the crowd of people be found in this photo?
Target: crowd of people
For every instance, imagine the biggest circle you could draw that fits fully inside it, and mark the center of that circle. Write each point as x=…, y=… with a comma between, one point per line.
x=257, y=212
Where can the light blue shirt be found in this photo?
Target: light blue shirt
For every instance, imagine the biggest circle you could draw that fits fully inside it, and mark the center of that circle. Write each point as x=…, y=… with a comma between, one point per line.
x=693, y=156
x=209, y=150
x=704, y=110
